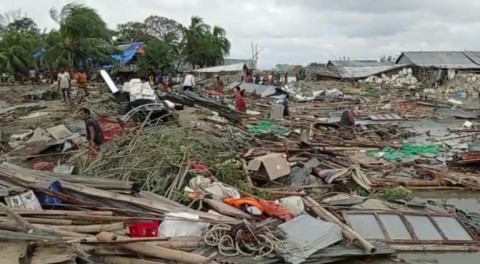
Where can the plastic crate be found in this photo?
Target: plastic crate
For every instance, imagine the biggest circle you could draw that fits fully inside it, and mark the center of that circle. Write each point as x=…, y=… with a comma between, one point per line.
x=143, y=228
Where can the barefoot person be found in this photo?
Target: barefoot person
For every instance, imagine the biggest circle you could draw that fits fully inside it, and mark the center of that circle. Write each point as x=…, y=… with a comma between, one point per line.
x=81, y=78
x=64, y=84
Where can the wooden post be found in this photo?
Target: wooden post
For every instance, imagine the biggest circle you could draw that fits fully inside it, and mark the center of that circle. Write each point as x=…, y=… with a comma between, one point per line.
x=154, y=251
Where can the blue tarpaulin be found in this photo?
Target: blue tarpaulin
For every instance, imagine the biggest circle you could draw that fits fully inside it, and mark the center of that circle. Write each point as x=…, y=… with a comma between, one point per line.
x=126, y=52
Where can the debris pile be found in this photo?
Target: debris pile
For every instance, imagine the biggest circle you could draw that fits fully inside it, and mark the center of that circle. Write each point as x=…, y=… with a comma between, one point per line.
x=211, y=185
x=403, y=78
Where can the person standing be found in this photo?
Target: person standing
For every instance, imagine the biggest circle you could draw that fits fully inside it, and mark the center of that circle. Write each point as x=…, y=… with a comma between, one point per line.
x=189, y=82
x=286, y=110
x=94, y=131
x=64, y=84
x=240, y=102
x=219, y=85
x=81, y=78
x=32, y=75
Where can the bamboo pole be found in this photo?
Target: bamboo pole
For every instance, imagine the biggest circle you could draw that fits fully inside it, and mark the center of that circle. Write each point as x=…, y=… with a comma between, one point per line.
x=24, y=212
x=123, y=260
x=46, y=221
x=437, y=248
x=345, y=228
x=92, y=228
x=11, y=225
x=154, y=251
x=26, y=226
x=19, y=174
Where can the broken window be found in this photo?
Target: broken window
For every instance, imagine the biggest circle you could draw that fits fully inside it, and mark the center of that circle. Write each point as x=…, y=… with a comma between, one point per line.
x=408, y=227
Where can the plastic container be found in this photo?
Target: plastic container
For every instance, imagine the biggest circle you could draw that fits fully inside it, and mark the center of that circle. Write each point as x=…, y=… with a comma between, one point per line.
x=277, y=112
x=143, y=229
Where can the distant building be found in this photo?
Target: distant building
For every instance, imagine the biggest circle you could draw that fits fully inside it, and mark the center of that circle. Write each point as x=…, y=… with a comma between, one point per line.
x=435, y=67
x=441, y=59
x=359, y=69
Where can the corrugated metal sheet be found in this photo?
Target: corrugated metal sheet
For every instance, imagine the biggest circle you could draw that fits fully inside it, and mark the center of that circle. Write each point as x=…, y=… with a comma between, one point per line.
x=263, y=90
x=228, y=68
x=230, y=61
x=439, y=59
x=301, y=242
x=473, y=55
x=321, y=71
x=366, y=71
x=359, y=63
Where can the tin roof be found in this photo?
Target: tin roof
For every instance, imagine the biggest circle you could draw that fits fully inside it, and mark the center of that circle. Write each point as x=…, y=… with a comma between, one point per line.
x=358, y=63
x=228, y=68
x=366, y=71
x=441, y=59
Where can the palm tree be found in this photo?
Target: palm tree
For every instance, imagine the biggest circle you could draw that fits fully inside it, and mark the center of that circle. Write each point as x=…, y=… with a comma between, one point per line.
x=84, y=37
x=158, y=55
x=204, y=46
x=16, y=52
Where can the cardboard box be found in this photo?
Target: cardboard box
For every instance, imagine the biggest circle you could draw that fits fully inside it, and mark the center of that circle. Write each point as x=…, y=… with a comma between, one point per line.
x=271, y=166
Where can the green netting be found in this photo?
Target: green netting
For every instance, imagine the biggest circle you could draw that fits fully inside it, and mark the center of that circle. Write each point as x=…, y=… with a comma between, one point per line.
x=407, y=151
x=268, y=127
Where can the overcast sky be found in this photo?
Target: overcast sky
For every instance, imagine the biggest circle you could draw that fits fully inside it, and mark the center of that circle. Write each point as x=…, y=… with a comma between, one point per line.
x=303, y=31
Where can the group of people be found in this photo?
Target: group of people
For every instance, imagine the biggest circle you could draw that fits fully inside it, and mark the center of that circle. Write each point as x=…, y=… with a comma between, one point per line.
x=65, y=83
x=271, y=78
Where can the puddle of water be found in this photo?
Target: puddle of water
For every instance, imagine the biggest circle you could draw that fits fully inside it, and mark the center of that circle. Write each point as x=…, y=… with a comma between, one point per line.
x=464, y=200
x=446, y=258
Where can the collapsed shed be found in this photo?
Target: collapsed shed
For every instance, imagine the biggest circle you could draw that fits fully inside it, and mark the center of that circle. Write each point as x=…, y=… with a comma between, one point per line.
x=361, y=69
x=434, y=67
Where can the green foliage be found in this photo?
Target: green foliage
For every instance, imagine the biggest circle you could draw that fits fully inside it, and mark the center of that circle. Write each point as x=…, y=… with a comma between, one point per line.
x=205, y=47
x=158, y=55
x=23, y=25
x=15, y=52
x=83, y=38
x=131, y=32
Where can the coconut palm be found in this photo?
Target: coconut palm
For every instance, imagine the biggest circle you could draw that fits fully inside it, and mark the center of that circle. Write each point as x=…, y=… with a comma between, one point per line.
x=204, y=46
x=84, y=37
x=16, y=52
x=158, y=55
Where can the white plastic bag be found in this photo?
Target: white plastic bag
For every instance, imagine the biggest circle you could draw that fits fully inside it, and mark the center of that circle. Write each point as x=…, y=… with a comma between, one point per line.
x=293, y=204
x=174, y=226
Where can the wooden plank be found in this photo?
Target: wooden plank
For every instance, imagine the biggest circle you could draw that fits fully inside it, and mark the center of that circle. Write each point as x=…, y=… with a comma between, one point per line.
x=397, y=117
x=389, y=117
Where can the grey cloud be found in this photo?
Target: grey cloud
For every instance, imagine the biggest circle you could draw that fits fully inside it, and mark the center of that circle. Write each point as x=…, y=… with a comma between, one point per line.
x=302, y=31
x=360, y=6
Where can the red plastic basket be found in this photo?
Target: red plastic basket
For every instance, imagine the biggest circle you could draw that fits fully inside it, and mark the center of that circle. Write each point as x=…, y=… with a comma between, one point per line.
x=143, y=228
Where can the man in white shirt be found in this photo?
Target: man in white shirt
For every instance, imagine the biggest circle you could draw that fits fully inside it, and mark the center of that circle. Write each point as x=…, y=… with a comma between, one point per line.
x=32, y=75
x=189, y=82
x=64, y=84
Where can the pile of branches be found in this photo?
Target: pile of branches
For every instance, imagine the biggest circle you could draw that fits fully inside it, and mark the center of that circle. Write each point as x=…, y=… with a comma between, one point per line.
x=160, y=158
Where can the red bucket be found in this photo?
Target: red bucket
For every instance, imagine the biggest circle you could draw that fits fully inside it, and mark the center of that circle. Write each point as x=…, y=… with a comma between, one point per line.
x=143, y=228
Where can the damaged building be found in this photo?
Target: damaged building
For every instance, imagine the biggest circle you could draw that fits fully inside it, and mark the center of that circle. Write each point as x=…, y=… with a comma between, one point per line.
x=353, y=70
x=435, y=68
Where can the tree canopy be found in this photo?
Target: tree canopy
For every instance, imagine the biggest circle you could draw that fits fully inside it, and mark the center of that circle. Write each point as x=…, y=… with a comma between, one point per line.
x=83, y=39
